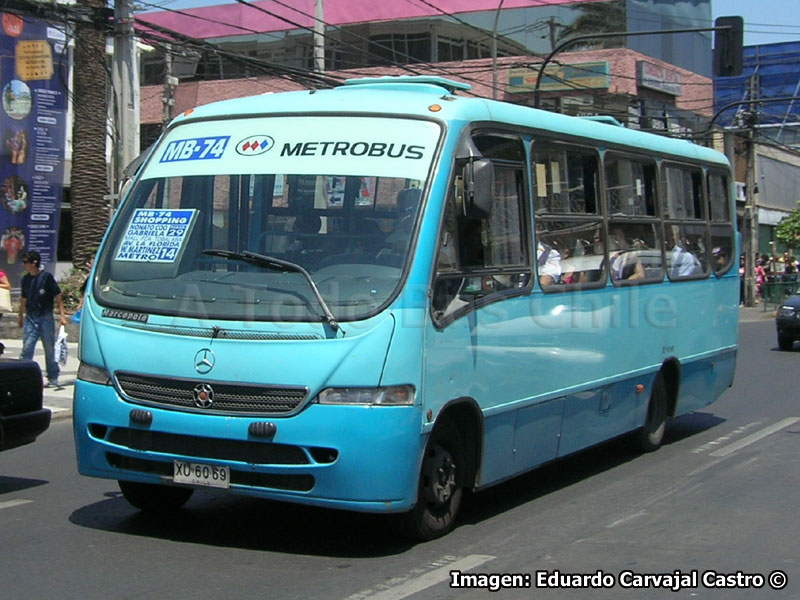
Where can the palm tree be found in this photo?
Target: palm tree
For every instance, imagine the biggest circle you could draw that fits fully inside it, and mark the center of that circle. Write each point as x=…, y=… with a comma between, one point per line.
x=90, y=215
x=598, y=17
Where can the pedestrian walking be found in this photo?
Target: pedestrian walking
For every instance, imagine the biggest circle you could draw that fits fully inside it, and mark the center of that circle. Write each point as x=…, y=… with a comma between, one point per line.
x=40, y=292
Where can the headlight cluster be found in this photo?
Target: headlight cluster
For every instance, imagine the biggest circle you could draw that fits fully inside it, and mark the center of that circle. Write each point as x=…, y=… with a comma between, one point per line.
x=401, y=395
x=788, y=311
x=92, y=374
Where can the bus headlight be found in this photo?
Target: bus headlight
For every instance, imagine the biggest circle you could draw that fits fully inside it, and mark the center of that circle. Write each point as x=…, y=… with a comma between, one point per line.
x=400, y=395
x=92, y=374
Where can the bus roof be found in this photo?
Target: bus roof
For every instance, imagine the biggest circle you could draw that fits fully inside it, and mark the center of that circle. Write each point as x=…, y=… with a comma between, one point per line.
x=435, y=97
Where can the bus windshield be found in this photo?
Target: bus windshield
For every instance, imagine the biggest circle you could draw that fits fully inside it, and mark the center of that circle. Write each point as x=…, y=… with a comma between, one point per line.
x=330, y=244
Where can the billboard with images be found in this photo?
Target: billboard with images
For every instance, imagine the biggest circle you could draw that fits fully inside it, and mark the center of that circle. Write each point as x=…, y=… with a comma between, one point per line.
x=34, y=67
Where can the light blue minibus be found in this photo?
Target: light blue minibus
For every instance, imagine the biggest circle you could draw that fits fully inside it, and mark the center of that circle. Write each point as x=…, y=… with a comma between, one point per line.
x=378, y=296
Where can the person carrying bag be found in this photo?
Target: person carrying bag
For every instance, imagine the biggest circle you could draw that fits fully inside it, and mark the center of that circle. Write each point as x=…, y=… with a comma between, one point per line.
x=39, y=293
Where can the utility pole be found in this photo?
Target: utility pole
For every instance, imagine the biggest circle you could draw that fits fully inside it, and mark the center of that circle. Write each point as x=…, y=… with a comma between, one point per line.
x=319, y=36
x=170, y=82
x=125, y=79
x=494, y=50
x=751, y=207
x=553, y=25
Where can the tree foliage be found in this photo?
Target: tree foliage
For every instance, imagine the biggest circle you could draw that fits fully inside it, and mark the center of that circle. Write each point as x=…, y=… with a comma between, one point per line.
x=598, y=17
x=90, y=213
x=788, y=230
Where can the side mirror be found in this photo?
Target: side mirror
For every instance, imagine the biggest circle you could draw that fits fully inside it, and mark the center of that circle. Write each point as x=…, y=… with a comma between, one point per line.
x=478, y=181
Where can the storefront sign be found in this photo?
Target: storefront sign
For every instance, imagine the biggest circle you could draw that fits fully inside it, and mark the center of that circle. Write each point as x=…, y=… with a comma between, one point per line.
x=558, y=78
x=659, y=78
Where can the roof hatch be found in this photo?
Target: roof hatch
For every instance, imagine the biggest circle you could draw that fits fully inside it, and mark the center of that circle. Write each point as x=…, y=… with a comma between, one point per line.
x=402, y=81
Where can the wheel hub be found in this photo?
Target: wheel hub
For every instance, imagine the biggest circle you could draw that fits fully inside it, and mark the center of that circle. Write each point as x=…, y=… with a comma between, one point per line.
x=440, y=475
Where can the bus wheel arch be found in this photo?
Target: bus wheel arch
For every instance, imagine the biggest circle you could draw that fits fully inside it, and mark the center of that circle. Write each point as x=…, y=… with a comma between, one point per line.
x=447, y=468
x=671, y=372
x=466, y=415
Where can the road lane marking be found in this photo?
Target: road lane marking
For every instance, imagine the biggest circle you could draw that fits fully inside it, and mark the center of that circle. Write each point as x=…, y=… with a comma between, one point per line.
x=754, y=437
x=720, y=440
x=402, y=587
x=10, y=503
x=625, y=519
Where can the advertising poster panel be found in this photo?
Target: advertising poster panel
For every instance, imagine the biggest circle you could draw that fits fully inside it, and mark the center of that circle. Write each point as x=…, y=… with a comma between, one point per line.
x=33, y=83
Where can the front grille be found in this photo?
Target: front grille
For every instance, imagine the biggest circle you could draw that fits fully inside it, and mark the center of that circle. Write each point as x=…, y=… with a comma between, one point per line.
x=259, y=453
x=297, y=483
x=227, y=397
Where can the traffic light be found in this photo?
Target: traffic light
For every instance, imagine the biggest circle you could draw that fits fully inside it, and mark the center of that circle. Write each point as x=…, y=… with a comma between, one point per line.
x=728, y=46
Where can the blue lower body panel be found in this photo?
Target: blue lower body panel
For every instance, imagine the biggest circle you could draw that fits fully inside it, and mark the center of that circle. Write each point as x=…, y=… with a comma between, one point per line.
x=703, y=381
x=352, y=457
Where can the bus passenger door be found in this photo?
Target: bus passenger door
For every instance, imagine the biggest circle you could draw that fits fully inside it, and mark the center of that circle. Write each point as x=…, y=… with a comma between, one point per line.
x=479, y=347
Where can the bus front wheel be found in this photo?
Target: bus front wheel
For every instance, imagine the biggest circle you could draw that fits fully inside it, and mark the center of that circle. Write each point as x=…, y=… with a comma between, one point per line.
x=441, y=484
x=150, y=497
x=650, y=436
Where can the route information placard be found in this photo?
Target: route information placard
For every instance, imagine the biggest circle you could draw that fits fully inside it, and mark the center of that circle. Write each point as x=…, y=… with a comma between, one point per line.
x=156, y=235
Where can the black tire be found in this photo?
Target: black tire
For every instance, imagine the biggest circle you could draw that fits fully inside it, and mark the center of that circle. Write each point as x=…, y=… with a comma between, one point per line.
x=785, y=343
x=651, y=434
x=149, y=497
x=441, y=485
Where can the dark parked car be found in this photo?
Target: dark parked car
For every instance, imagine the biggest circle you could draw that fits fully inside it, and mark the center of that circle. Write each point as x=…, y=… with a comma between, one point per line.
x=22, y=416
x=787, y=320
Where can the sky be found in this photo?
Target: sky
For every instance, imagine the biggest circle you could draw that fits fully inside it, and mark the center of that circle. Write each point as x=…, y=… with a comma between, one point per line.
x=765, y=21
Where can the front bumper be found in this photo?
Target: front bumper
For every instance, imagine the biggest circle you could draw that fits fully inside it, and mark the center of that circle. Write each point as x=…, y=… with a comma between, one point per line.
x=363, y=458
x=788, y=327
x=18, y=430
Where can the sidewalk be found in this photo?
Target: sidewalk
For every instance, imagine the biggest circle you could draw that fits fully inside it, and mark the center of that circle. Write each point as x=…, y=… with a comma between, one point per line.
x=59, y=400
x=756, y=313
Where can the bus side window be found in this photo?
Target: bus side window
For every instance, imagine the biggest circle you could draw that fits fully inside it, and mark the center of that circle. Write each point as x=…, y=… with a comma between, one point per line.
x=722, y=245
x=685, y=225
x=569, y=232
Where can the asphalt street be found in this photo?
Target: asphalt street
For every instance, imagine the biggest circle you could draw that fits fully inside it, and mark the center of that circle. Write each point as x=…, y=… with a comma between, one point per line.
x=718, y=497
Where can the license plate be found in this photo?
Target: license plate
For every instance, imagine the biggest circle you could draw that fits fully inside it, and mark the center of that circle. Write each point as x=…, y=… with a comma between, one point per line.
x=197, y=474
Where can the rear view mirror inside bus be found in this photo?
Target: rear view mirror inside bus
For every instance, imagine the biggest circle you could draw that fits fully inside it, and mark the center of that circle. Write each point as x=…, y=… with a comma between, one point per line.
x=478, y=188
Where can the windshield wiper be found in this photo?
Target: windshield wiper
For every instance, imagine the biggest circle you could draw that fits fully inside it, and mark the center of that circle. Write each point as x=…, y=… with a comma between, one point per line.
x=277, y=264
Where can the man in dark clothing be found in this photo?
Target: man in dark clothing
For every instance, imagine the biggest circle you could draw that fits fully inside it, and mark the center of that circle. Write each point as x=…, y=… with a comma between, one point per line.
x=39, y=292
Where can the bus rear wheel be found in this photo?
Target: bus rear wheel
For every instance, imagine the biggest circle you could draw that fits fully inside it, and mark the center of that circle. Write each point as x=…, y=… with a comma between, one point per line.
x=441, y=484
x=149, y=497
x=651, y=434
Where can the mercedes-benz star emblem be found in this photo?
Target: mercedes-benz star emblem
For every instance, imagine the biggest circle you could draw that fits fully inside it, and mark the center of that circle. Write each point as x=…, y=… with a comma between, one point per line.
x=204, y=360
x=203, y=395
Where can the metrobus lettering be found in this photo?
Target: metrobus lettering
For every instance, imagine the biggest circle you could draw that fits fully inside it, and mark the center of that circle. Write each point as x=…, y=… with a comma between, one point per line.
x=204, y=148
x=373, y=149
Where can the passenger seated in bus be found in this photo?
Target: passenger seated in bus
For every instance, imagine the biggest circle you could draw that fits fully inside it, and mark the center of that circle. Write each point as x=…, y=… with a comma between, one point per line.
x=549, y=261
x=623, y=261
x=720, y=259
x=568, y=273
x=306, y=225
x=681, y=262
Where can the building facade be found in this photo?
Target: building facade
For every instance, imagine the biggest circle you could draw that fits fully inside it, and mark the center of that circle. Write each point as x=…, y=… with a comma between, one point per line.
x=652, y=82
x=765, y=100
x=367, y=34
